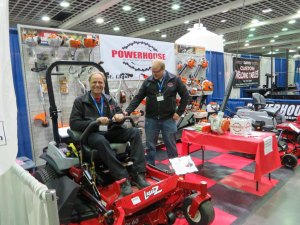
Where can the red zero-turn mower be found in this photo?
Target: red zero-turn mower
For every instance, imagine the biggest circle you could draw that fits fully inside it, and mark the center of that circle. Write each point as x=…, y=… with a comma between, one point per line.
x=291, y=135
x=86, y=190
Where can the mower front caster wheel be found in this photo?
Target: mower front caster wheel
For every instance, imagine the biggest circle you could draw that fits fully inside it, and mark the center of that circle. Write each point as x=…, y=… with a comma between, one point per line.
x=290, y=161
x=204, y=215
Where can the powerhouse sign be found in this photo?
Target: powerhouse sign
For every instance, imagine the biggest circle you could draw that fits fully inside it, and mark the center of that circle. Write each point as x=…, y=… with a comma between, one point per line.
x=290, y=111
x=246, y=72
x=131, y=58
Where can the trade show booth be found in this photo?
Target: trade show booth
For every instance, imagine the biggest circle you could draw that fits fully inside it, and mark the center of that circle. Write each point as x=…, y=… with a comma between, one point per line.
x=238, y=139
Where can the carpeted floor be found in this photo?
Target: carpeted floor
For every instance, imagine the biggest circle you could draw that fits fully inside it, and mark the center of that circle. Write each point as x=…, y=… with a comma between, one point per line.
x=230, y=183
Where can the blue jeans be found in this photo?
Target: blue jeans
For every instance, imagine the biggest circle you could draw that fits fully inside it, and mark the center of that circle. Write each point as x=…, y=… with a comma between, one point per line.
x=168, y=128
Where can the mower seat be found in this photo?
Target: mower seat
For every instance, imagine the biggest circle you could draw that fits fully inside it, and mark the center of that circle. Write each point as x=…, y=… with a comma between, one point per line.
x=121, y=149
x=259, y=103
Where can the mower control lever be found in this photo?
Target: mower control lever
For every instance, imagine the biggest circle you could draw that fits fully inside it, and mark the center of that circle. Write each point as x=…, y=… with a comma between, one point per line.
x=112, y=121
x=93, y=125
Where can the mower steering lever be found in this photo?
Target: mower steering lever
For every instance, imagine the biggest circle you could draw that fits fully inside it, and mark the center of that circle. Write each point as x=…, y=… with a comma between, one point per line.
x=112, y=121
x=93, y=125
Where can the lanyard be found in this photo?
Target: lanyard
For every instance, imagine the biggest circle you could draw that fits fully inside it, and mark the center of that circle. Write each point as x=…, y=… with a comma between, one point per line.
x=160, y=84
x=96, y=104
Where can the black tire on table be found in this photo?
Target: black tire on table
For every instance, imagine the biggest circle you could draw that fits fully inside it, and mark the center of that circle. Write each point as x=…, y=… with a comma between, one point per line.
x=45, y=174
x=204, y=215
x=289, y=161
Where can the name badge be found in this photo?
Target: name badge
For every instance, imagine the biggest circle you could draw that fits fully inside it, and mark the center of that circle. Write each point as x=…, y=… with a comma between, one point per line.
x=160, y=98
x=103, y=128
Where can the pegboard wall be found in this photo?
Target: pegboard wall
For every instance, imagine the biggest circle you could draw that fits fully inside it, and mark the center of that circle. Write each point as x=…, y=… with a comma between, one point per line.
x=190, y=61
x=68, y=82
x=191, y=67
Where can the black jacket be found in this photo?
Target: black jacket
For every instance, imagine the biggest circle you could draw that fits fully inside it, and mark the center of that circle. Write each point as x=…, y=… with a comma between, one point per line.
x=161, y=109
x=84, y=111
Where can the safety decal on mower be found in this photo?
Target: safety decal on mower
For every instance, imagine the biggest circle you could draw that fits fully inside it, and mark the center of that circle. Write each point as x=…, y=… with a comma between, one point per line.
x=2, y=134
x=136, y=200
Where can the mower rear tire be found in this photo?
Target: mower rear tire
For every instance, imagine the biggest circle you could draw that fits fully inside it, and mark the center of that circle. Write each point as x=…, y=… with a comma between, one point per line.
x=204, y=215
x=289, y=161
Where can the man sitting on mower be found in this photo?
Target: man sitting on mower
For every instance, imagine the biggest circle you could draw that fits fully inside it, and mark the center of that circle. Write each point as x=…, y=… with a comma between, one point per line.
x=96, y=105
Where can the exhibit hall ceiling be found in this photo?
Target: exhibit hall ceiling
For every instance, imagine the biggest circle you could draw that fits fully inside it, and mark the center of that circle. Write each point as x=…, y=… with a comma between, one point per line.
x=261, y=27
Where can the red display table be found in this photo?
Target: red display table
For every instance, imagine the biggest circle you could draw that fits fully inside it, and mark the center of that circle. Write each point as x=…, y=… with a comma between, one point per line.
x=262, y=144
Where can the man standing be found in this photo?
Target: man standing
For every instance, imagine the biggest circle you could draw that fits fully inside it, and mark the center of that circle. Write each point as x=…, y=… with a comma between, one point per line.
x=95, y=105
x=160, y=91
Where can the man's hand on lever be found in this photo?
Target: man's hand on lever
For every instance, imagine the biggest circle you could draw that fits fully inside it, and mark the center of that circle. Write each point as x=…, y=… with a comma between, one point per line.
x=102, y=120
x=176, y=116
x=118, y=117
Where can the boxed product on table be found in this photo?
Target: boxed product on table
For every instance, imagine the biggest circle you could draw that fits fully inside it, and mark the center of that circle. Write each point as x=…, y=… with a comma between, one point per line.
x=240, y=126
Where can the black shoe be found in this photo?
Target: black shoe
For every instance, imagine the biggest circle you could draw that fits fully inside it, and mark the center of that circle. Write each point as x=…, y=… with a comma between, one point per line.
x=126, y=188
x=139, y=181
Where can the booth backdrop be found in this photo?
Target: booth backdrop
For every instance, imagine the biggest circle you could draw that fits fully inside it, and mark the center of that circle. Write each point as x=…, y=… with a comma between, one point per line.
x=8, y=108
x=297, y=71
x=220, y=68
x=24, y=142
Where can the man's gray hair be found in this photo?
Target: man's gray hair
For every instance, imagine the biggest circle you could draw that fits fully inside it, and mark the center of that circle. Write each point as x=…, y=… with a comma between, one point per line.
x=94, y=73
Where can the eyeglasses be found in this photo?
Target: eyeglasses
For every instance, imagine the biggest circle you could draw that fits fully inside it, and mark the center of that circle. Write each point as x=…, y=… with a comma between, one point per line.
x=158, y=71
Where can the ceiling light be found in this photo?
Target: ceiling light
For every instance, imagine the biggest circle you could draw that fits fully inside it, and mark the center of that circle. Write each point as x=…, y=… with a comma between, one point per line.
x=247, y=41
x=284, y=29
x=99, y=20
x=186, y=22
x=292, y=21
x=292, y=50
x=224, y=11
x=223, y=21
x=255, y=21
x=296, y=56
x=64, y=4
x=277, y=50
x=163, y=35
x=175, y=7
x=247, y=44
x=252, y=29
x=250, y=35
x=157, y=30
x=272, y=40
x=126, y=8
x=276, y=36
x=45, y=18
x=263, y=47
x=116, y=28
x=267, y=10
x=298, y=47
x=142, y=19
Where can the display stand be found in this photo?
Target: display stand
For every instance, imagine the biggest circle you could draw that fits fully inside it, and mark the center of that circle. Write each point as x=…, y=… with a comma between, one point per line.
x=191, y=65
x=262, y=144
